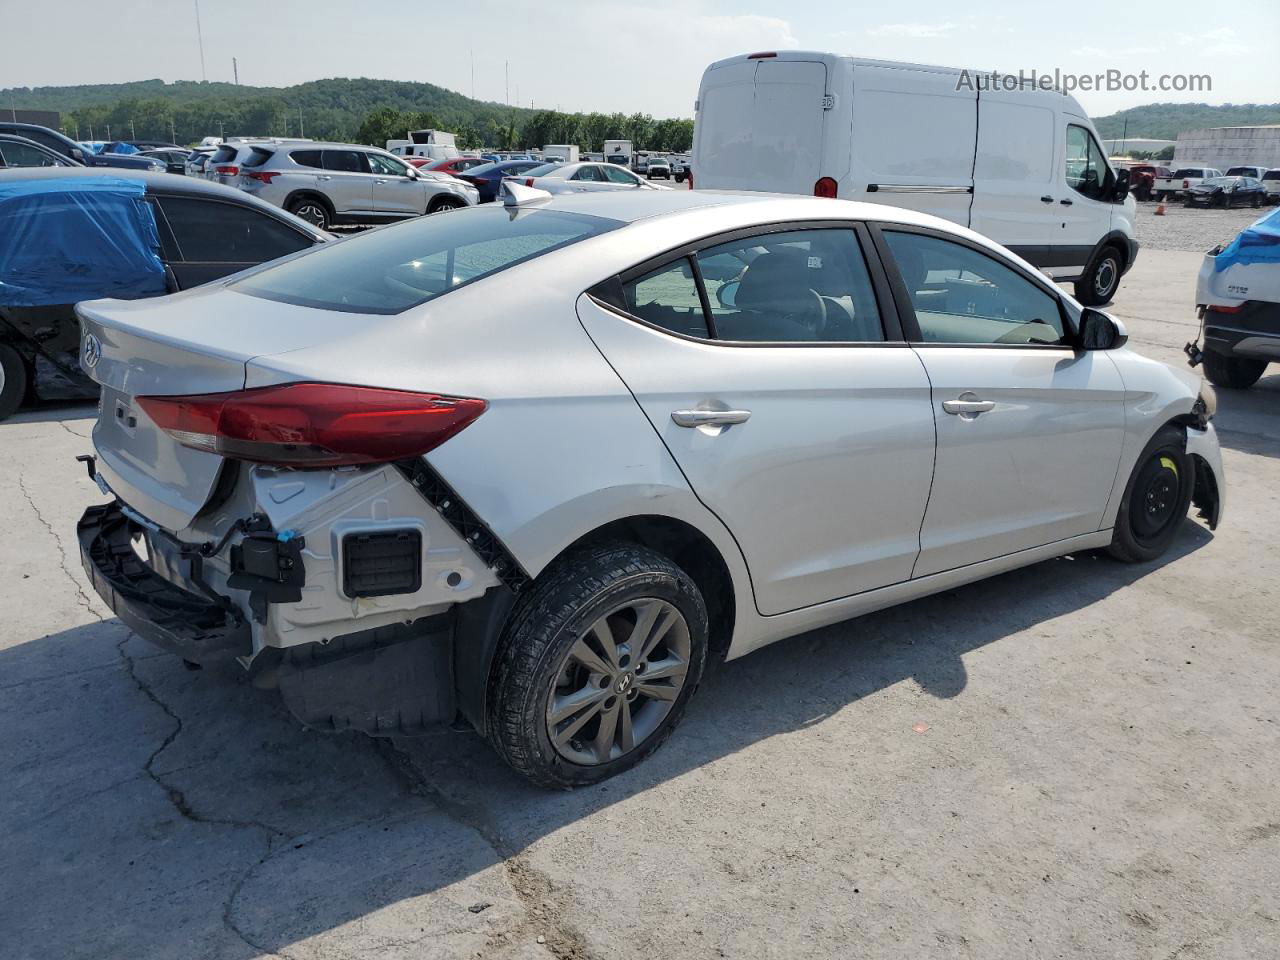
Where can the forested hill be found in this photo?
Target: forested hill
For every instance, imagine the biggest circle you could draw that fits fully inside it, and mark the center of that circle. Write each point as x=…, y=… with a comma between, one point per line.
x=1162, y=121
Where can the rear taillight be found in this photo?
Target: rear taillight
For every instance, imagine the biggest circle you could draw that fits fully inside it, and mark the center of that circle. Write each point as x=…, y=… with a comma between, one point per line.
x=528, y=181
x=1221, y=308
x=825, y=187
x=1185, y=184
x=313, y=424
x=262, y=176
x=229, y=169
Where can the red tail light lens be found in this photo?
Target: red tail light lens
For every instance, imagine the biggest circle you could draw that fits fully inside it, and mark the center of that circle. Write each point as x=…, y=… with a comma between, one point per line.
x=313, y=424
x=528, y=181
x=826, y=187
x=1222, y=308
x=1186, y=184
x=263, y=176
x=229, y=169
x=689, y=173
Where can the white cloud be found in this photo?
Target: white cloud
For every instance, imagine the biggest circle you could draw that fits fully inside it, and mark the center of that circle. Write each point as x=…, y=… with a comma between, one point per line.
x=915, y=31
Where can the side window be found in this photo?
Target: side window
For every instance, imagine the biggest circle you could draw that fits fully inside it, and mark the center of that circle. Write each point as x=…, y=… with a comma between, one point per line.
x=208, y=231
x=668, y=298
x=345, y=161
x=591, y=174
x=385, y=166
x=22, y=155
x=963, y=296
x=308, y=158
x=806, y=285
x=1087, y=171
x=618, y=175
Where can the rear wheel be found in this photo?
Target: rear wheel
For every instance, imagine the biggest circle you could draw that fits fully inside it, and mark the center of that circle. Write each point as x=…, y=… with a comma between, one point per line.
x=1155, y=500
x=1237, y=373
x=1100, y=280
x=13, y=380
x=1256, y=202
x=597, y=665
x=313, y=210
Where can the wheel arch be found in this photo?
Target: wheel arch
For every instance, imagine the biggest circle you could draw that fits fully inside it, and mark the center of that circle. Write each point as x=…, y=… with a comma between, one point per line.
x=308, y=193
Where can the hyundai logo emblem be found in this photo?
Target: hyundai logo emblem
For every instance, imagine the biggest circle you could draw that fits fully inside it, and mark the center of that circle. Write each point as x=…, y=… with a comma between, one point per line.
x=92, y=350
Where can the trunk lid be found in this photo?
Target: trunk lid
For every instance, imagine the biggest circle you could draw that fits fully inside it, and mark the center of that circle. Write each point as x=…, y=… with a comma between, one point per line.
x=194, y=342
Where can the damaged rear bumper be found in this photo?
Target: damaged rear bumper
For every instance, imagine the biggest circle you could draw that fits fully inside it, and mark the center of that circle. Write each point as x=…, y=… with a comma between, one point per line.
x=196, y=628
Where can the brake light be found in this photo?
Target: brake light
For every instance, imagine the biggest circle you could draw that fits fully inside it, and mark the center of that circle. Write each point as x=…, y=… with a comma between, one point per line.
x=760, y=56
x=263, y=176
x=1185, y=184
x=313, y=424
x=229, y=169
x=825, y=187
x=1220, y=308
x=528, y=181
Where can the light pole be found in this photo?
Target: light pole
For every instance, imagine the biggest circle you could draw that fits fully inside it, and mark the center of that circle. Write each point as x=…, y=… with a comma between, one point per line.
x=200, y=39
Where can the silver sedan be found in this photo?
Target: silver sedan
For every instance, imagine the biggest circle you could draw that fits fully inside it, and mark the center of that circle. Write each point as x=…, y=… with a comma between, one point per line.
x=583, y=178
x=541, y=464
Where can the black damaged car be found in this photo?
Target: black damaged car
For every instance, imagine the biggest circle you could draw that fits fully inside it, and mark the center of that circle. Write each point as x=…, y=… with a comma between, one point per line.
x=1227, y=192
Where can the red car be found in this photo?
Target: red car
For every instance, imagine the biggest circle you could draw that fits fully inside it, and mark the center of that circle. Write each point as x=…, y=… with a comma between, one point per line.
x=1142, y=178
x=455, y=166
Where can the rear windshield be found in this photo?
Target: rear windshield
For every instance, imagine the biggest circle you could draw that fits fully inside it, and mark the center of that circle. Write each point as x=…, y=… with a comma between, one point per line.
x=393, y=269
x=1189, y=172
x=257, y=157
x=225, y=153
x=540, y=171
x=1241, y=171
x=1271, y=175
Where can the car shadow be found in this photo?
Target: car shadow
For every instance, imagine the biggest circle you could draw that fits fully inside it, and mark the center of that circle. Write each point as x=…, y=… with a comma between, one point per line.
x=1249, y=420
x=177, y=807
x=53, y=411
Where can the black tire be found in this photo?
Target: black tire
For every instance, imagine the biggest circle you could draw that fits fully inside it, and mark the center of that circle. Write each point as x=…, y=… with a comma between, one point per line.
x=445, y=204
x=1156, y=498
x=1101, y=279
x=548, y=621
x=1256, y=202
x=1236, y=373
x=315, y=210
x=1162, y=195
x=13, y=380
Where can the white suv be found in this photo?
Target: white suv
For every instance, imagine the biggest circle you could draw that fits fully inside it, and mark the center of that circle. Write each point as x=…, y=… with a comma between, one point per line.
x=330, y=184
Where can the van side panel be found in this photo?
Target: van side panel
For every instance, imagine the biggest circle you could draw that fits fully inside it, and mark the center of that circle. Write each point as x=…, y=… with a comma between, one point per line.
x=914, y=138
x=1017, y=166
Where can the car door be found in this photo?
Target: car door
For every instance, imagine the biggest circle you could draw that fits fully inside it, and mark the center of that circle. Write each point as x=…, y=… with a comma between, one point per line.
x=788, y=399
x=1029, y=429
x=395, y=191
x=589, y=178
x=347, y=182
x=215, y=238
x=618, y=178
x=1083, y=203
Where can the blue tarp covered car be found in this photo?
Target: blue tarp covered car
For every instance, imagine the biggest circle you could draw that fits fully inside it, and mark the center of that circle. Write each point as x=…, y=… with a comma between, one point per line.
x=68, y=235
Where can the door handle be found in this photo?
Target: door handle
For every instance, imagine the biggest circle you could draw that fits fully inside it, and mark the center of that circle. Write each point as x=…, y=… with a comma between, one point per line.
x=1065, y=203
x=379, y=180
x=1046, y=199
x=968, y=406
x=709, y=418
x=324, y=176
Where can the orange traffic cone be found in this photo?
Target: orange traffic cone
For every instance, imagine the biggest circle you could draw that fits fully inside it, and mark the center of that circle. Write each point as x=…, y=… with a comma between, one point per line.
x=1160, y=208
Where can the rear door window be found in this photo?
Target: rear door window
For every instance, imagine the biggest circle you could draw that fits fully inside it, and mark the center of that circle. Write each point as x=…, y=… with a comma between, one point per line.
x=618, y=175
x=308, y=158
x=211, y=231
x=346, y=161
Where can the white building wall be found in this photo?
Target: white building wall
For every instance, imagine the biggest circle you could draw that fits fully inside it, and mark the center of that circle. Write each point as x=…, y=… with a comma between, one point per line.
x=1224, y=147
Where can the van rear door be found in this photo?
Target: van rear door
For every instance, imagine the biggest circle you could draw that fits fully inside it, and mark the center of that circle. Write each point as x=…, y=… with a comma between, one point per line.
x=914, y=138
x=760, y=125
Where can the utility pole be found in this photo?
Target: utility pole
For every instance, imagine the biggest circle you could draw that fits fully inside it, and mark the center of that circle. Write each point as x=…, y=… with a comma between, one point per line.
x=301, y=132
x=235, y=71
x=204, y=77
x=173, y=133
x=506, y=94
x=133, y=131
x=473, y=73
x=108, y=131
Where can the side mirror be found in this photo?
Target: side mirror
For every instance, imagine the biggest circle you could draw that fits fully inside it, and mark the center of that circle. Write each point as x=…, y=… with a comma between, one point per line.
x=1098, y=331
x=727, y=294
x=77, y=154
x=1122, y=183
x=411, y=172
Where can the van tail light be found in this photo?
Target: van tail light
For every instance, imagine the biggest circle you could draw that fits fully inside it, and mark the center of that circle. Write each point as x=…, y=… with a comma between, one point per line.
x=262, y=176
x=313, y=424
x=228, y=169
x=825, y=187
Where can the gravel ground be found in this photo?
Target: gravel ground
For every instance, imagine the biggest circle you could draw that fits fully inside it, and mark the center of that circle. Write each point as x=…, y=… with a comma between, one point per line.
x=1197, y=230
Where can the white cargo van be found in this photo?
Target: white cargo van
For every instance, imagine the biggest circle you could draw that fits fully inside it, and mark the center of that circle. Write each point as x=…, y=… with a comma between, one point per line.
x=567, y=152
x=1023, y=166
x=433, y=144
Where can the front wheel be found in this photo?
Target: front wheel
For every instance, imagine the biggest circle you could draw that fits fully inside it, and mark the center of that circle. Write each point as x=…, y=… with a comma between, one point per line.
x=1100, y=280
x=597, y=665
x=1155, y=500
x=445, y=204
x=13, y=380
x=1236, y=373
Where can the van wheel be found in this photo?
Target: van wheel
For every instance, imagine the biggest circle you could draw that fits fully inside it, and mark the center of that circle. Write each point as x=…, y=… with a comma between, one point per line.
x=1237, y=373
x=314, y=211
x=13, y=380
x=597, y=665
x=1155, y=499
x=1100, y=280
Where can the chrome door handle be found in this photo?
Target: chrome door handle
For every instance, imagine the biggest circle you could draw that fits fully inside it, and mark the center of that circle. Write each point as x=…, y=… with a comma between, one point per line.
x=969, y=405
x=709, y=418
x=324, y=177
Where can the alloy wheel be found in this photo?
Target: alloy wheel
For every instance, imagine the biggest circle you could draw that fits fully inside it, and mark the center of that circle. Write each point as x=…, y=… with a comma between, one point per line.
x=313, y=213
x=618, y=681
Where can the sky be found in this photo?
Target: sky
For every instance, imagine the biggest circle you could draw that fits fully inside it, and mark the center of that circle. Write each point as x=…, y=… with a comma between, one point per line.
x=644, y=56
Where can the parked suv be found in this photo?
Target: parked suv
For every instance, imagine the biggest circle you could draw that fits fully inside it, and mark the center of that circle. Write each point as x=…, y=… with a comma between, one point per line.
x=337, y=183
x=224, y=164
x=1271, y=184
x=64, y=146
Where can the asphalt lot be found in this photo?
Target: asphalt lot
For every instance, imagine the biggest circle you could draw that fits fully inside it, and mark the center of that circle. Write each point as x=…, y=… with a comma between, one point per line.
x=1072, y=760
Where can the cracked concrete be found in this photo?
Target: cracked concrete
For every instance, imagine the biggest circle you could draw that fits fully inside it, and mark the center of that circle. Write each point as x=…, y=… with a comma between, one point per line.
x=1095, y=776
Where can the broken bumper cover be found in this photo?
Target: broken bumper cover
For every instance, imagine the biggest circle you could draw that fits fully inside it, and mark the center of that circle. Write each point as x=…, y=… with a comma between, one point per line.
x=196, y=628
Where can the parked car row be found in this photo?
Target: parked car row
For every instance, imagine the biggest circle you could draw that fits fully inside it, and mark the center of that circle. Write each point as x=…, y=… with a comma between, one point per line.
x=68, y=149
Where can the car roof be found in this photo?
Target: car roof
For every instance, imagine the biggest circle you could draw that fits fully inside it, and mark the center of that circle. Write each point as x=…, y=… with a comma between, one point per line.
x=158, y=183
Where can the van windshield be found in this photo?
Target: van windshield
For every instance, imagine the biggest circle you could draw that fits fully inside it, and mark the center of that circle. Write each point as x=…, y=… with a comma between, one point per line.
x=390, y=270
